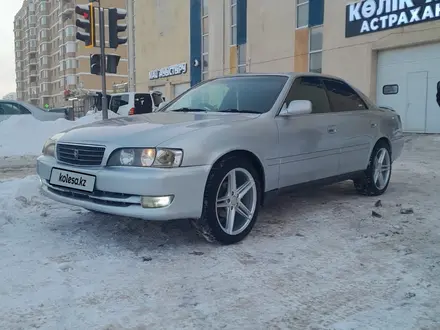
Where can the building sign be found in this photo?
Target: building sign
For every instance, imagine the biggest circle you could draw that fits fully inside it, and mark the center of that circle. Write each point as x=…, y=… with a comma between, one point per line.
x=172, y=70
x=370, y=16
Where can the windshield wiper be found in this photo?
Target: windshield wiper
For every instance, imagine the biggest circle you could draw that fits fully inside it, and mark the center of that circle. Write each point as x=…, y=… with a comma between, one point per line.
x=189, y=110
x=239, y=111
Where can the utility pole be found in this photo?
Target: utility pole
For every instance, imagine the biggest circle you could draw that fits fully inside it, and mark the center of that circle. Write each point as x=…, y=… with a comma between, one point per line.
x=103, y=66
x=131, y=46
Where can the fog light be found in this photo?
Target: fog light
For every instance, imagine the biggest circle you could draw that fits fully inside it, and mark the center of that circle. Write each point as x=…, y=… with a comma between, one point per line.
x=155, y=202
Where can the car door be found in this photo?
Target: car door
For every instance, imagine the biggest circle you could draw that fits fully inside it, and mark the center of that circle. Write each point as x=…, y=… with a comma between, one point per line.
x=355, y=124
x=308, y=144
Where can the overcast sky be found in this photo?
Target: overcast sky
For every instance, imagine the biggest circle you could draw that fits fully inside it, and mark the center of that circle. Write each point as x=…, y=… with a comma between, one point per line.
x=7, y=57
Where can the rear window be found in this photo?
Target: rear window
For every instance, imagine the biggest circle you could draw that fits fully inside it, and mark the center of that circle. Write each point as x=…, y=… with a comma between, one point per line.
x=143, y=103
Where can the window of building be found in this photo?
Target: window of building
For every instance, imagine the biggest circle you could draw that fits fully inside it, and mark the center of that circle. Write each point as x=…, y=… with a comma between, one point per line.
x=391, y=89
x=342, y=97
x=302, y=13
x=43, y=20
x=241, y=49
x=312, y=89
x=205, y=40
x=241, y=58
x=70, y=80
x=315, y=49
x=71, y=47
x=233, y=22
x=70, y=31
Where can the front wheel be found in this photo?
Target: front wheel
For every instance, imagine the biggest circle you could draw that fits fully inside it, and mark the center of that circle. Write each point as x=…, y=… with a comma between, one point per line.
x=376, y=178
x=231, y=201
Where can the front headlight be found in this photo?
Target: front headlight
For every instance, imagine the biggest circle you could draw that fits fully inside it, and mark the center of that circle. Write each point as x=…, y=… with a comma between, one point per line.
x=149, y=157
x=49, y=145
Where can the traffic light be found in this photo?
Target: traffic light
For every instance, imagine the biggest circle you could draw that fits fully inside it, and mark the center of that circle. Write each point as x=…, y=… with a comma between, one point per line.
x=114, y=15
x=87, y=23
x=112, y=62
x=95, y=64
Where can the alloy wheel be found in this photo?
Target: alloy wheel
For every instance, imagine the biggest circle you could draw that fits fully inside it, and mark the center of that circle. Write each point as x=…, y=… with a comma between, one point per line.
x=382, y=168
x=236, y=201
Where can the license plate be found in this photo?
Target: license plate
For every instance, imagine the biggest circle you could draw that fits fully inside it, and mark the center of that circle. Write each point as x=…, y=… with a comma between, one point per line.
x=73, y=180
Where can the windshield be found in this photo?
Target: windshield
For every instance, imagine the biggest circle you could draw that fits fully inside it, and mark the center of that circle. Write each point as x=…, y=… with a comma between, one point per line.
x=255, y=94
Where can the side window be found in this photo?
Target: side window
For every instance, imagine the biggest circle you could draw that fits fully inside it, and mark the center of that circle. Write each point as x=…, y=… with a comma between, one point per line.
x=23, y=110
x=157, y=99
x=114, y=103
x=312, y=89
x=2, y=112
x=342, y=97
x=10, y=109
x=125, y=99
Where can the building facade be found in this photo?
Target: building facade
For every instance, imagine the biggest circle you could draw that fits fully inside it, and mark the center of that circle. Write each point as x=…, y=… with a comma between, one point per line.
x=386, y=48
x=49, y=59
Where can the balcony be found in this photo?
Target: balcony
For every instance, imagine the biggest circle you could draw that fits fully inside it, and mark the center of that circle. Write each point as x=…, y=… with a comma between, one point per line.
x=67, y=10
x=33, y=73
x=33, y=61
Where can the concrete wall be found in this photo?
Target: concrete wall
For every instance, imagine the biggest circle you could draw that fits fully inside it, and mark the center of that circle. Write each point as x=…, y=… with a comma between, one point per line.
x=162, y=39
x=354, y=59
x=271, y=35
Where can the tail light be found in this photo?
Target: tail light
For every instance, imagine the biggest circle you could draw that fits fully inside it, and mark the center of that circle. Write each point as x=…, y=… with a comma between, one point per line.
x=131, y=112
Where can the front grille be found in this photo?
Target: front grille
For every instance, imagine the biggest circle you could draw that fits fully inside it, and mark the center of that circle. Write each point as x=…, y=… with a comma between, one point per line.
x=80, y=154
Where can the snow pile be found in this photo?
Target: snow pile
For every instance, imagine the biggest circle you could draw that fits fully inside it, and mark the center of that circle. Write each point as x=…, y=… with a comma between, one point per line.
x=25, y=135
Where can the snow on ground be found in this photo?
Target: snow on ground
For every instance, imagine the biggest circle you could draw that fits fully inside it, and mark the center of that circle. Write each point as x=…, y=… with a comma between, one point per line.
x=25, y=135
x=315, y=260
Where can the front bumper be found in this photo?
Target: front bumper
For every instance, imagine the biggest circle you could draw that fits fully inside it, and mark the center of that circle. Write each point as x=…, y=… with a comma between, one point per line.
x=118, y=190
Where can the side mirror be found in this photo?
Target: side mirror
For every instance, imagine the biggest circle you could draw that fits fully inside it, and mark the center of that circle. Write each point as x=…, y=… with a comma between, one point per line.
x=299, y=107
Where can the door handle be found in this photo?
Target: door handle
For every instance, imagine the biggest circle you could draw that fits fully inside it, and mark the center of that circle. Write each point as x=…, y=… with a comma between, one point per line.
x=373, y=125
x=331, y=129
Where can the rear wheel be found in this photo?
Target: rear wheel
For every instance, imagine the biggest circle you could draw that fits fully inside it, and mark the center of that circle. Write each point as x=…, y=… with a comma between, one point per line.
x=376, y=178
x=231, y=201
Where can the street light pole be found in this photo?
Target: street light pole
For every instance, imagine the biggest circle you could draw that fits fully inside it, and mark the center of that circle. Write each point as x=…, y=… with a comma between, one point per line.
x=102, y=47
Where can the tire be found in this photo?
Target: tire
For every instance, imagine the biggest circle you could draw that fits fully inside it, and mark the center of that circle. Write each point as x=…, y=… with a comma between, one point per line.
x=368, y=183
x=213, y=222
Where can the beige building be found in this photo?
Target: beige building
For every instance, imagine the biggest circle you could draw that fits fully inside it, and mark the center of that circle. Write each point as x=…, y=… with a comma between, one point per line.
x=389, y=49
x=49, y=59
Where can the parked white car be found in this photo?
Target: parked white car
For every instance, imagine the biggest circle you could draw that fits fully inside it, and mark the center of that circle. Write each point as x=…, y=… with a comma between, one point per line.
x=127, y=104
x=19, y=108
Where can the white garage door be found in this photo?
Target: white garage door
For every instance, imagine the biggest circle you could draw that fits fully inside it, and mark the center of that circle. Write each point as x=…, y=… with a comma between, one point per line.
x=180, y=88
x=407, y=81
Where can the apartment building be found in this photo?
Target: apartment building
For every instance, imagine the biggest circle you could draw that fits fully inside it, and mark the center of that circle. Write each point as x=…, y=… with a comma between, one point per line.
x=389, y=49
x=49, y=59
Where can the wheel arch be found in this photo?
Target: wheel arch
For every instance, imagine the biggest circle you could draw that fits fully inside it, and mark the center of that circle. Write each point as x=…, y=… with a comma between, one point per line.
x=255, y=161
x=385, y=140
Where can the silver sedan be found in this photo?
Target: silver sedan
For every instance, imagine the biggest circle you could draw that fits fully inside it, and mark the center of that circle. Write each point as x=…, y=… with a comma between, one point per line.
x=224, y=148
x=19, y=108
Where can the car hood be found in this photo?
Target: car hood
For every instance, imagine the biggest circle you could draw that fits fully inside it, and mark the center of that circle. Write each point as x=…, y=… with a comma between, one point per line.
x=148, y=130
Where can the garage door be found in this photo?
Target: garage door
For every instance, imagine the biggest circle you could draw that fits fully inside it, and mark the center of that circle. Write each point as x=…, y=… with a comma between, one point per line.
x=407, y=81
x=180, y=88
